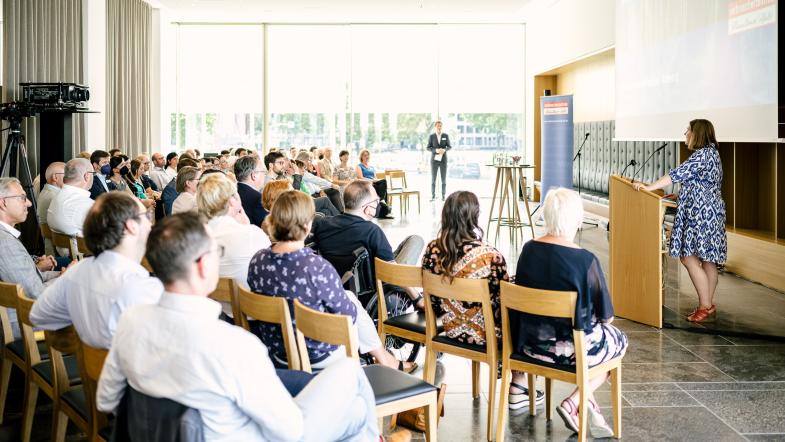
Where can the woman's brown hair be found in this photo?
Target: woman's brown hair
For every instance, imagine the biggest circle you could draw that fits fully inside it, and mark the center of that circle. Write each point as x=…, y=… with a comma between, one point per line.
x=460, y=223
x=290, y=217
x=702, y=134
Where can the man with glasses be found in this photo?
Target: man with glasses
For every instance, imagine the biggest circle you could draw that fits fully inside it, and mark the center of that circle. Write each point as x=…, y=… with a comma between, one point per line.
x=228, y=375
x=250, y=174
x=16, y=265
x=68, y=209
x=340, y=235
x=147, y=181
x=54, y=182
x=95, y=292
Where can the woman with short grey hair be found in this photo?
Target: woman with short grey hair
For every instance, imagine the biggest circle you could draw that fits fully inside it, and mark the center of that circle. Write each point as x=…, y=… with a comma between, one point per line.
x=555, y=262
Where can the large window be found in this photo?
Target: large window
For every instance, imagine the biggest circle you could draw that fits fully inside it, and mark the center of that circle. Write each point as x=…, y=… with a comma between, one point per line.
x=218, y=87
x=379, y=87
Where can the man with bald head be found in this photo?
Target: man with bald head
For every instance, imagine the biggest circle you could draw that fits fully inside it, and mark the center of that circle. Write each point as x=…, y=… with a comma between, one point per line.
x=69, y=208
x=158, y=172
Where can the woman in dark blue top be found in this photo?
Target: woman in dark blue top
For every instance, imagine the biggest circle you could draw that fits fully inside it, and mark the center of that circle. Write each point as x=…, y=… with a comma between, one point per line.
x=555, y=262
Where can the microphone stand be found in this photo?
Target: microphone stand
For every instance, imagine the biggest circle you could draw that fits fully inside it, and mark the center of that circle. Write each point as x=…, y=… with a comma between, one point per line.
x=631, y=163
x=577, y=156
x=647, y=160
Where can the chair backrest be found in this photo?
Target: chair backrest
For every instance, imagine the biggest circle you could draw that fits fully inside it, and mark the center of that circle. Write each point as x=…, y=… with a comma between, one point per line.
x=323, y=327
x=81, y=247
x=393, y=175
x=63, y=241
x=226, y=291
x=23, y=307
x=549, y=303
x=91, y=362
x=61, y=342
x=272, y=310
x=460, y=289
x=8, y=299
x=401, y=275
x=146, y=264
x=46, y=232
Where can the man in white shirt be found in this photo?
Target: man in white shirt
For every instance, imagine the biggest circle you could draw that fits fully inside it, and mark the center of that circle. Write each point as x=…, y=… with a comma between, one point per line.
x=98, y=289
x=69, y=208
x=54, y=182
x=158, y=173
x=180, y=350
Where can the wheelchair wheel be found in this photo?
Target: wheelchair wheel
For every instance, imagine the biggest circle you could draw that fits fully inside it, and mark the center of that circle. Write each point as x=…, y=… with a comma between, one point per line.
x=398, y=303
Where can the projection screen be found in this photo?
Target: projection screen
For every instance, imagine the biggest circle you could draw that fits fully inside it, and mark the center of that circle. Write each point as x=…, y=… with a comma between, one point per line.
x=677, y=60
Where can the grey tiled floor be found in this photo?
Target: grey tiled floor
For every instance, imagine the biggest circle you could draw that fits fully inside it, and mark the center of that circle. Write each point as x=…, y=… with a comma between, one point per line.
x=677, y=385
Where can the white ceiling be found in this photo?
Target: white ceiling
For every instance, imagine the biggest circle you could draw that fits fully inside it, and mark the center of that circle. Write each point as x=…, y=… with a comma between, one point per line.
x=345, y=11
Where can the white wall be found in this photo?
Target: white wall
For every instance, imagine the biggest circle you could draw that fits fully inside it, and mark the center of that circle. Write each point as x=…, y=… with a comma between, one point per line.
x=94, y=44
x=560, y=32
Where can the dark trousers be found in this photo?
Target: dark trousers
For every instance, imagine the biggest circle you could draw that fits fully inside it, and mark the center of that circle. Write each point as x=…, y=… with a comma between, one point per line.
x=441, y=167
x=325, y=206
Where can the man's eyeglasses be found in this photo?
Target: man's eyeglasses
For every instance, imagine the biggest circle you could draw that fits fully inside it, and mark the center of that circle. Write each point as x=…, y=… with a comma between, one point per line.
x=375, y=203
x=219, y=250
x=22, y=197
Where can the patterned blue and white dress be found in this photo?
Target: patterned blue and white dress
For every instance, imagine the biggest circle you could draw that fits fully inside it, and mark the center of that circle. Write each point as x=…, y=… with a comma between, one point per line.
x=699, y=228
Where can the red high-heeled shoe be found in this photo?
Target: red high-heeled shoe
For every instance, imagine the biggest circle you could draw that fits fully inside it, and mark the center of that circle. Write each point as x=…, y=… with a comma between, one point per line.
x=701, y=314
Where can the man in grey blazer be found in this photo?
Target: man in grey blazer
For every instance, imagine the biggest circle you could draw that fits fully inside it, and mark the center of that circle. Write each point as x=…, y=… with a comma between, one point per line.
x=16, y=265
x=438, y=144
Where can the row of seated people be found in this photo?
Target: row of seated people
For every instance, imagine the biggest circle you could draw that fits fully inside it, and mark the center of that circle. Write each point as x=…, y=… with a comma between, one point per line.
x=96, y=292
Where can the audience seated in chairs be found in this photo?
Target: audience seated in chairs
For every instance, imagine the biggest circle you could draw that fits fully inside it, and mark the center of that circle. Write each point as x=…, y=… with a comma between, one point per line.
x=313, y=184
x=343, y=234
x=280, y=168
x=16, y=265
x=54, y=182
x=555, y=262
x=69, y=207
x=187, y=181
x=220, y=205
x=94, y=293
x=169, y=194
x=229, y=377
x=250, y=174
x=289, y=269
x=99, y=160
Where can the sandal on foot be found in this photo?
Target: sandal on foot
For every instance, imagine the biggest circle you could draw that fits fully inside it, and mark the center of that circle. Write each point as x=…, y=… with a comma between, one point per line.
x=521, y=400
x=597, y=425
x=701, y=314
x=569, y=414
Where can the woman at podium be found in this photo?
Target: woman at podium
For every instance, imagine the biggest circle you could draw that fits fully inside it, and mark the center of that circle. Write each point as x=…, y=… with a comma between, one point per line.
x=698, y=236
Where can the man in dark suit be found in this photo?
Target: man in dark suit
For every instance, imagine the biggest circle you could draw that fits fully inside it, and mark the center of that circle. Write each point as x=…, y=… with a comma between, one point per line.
x=101, y=183
x=438, y=144
x=250, y=173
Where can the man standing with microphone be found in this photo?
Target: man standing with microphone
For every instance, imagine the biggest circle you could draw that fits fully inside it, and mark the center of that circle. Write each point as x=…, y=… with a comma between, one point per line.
x=438, y=144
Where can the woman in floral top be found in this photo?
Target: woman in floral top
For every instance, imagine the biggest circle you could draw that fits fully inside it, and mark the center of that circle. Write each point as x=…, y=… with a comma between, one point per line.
x=459, y=252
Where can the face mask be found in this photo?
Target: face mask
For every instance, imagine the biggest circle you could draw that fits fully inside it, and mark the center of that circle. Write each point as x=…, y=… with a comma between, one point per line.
x=106, y=170
x=123, y=170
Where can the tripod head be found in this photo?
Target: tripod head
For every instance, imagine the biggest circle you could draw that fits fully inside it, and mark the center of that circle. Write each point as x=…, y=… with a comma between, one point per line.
x=15, y=112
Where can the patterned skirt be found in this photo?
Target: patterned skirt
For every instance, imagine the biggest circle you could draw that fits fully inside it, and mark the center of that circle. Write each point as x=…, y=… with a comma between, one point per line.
x=605, y=342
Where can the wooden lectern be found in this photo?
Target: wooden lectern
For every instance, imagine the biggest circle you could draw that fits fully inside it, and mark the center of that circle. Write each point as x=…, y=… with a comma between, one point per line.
x=636, y=249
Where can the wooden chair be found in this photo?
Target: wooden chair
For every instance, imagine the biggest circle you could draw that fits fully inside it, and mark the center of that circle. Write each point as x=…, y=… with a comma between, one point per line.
x=146, y=264
x=556, y=305
x=466, y=290
x=46, y=233
x=69, y=402
x=41, y=374
x=13, y=350
x=401, y=190
x=226, y=291
x=91, y=362
x=63, y=241
x=409, y=326
x=395, y=391
x=272, y=310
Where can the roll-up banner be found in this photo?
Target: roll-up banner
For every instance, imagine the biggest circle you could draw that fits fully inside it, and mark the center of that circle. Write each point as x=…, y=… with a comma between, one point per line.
x=556, y=142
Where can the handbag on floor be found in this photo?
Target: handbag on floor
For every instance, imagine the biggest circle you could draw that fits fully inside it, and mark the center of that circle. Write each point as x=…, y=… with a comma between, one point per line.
x=415, y=419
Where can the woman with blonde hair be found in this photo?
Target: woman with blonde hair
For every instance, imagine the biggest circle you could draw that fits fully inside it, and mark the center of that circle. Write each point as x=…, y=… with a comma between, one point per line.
x=219, y=203
x=698, y=236
x=364, y=170
x=555, y=262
